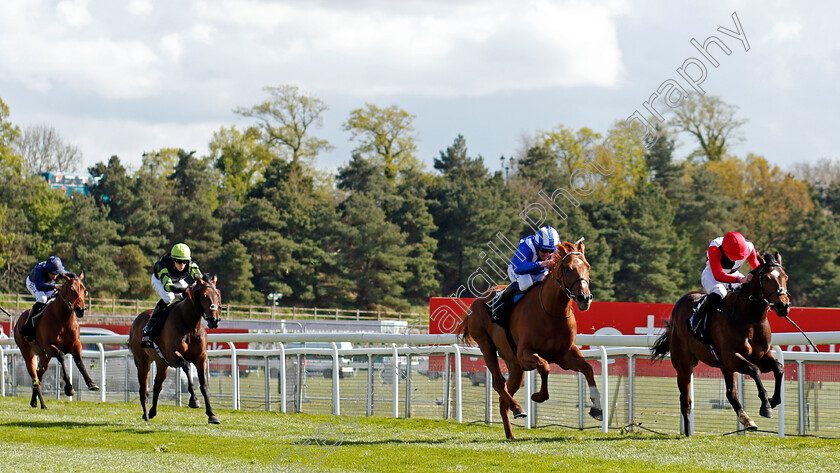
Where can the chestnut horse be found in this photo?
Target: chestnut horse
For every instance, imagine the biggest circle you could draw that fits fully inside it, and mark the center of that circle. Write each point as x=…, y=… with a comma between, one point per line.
x=182, y=341
x=57, y=333
x=543, y=328
x=740, y=336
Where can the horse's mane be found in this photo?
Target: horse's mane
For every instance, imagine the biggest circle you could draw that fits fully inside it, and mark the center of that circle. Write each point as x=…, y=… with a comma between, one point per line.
x=557, y=256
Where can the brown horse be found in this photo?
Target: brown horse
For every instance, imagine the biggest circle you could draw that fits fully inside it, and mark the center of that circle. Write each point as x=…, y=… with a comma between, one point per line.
x=57, y=333
x=182, y=341
x=740, y=337
x=543, y=328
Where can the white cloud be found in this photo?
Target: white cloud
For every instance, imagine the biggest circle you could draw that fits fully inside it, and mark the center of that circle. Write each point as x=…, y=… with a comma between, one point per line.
x=75, y=12
x=172, y=46
x=140, y=7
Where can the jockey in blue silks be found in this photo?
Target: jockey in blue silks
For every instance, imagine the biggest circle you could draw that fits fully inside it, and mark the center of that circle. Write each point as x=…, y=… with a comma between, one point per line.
x=41, y=284
x=528, y=265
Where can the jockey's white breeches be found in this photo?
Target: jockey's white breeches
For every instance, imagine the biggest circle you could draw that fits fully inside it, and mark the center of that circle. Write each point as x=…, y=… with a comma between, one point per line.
x=40, y=296
x=712, y=285
x=525, y=280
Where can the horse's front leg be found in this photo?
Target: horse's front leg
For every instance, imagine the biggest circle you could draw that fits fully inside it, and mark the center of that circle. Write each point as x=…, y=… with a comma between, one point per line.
x=77, y=357
x=193, y=399
x=752, y=370
x=573, y=360
x=37, y=381
x=732, y=396
x=160, y=377
x=766, y=364
x=59, y=355
x=202, y=383
x=531, y=360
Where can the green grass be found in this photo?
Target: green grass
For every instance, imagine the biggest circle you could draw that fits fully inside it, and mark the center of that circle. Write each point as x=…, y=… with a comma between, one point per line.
x=92, y=437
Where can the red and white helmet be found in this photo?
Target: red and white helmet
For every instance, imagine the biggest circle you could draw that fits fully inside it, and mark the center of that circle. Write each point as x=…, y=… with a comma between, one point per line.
x=735, y=246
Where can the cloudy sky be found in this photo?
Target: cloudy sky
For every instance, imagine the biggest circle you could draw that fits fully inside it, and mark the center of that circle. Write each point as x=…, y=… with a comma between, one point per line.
x=132, y=76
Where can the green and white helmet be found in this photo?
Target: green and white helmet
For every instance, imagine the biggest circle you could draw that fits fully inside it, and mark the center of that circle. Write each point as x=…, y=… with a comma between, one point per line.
x=180, y=252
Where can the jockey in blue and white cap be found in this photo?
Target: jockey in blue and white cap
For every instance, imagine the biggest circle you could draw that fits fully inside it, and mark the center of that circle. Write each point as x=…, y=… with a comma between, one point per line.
x=527, y=266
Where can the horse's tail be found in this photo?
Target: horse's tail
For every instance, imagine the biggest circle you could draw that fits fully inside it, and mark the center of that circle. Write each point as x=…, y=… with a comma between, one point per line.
x=464, y=330
x=661, y=347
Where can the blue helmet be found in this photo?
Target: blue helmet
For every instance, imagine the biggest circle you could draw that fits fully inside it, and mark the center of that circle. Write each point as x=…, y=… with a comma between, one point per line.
x=53, y=265
x=547, y=238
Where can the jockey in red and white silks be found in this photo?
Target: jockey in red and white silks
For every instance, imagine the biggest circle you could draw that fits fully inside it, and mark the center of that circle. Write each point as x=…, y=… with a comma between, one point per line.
x=725, y=257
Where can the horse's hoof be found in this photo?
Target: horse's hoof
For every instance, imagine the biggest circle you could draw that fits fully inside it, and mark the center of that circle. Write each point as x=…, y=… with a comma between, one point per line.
x=146, y=418
x=194, y=404
x=766, y=412
x=34, y=403
x=68, y=391
x=775, y=402
x=93, y=387
x=152, y=413
x=537, y=398
x=44, y=407
x=596, y=414
x=213, y=420
x=747, y=422
x=519, y=414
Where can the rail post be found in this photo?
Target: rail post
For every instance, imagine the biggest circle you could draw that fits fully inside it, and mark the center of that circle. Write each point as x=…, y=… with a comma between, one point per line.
x=396, y=395
x=336, y=395
x=605, y=401
x=780, y=357
x=102, y=378
x=459, y=411
x=234, y=376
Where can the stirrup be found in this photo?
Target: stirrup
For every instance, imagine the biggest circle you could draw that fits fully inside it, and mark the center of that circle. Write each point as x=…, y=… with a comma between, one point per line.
x=146, y=341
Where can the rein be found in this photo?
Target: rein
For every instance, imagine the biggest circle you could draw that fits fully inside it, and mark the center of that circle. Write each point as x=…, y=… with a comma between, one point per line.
x=67, y=303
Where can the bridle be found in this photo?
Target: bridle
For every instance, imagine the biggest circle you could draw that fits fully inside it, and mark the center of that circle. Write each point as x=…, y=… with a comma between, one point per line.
x=567, y=289
x=781, y=291
x=213, y=306
x=71, y=305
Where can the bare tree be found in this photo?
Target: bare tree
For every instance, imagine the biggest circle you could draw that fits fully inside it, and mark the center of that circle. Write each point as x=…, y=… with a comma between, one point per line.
x=44, y=150
x=711, y=121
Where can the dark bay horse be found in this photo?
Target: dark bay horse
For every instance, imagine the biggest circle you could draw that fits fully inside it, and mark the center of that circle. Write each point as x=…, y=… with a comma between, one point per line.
x=182, y=341
x=740, y=335
x=543, y=327
x=57, y=333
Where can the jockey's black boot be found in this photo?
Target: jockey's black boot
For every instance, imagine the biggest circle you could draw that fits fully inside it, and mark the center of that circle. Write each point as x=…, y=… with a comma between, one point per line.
x=28, y=329
x=501, y=306
x=707, y=305
x=152, y=328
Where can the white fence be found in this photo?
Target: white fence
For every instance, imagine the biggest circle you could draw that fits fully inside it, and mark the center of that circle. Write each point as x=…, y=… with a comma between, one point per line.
x=422, y=375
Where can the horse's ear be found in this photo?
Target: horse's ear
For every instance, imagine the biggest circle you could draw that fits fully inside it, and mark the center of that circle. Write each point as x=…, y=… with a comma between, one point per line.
x=82, y=275
x=213, y=281
x=760, y=260
x=581, y=247
x=778, y=257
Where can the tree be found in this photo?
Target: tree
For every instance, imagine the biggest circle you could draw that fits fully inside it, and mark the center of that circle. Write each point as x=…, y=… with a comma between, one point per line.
x=373, y=255
x=235, y=268
x=240, y=157
x=91, y=246
x=810, y=251
x=192, y=208
x=43, y=150
x=643, y=240
x=386, y=136
x=470, y=208
x=711, y=121
x=11, y=163
x=286, y=118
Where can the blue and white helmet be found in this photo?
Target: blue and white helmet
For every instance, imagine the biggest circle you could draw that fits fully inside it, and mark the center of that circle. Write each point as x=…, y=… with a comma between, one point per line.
x=547, y=238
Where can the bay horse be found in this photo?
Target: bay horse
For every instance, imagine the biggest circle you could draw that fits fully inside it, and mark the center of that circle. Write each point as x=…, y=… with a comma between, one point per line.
x=543, y=329
x=56, y=334
x=740, y=337
x=182, y=341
